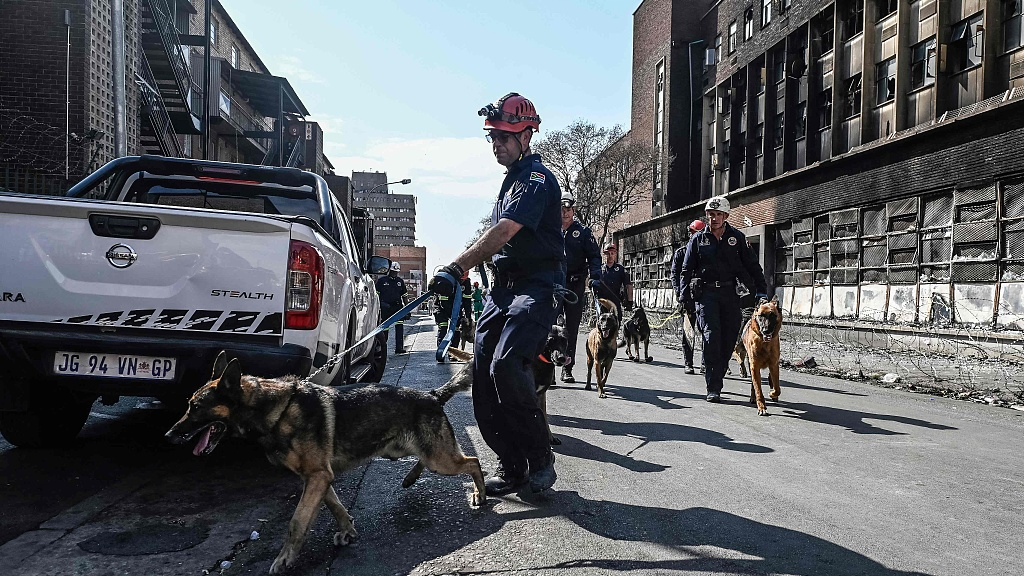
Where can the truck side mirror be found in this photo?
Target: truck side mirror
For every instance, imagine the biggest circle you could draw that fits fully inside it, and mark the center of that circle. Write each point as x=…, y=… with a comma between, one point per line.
x=378, y=265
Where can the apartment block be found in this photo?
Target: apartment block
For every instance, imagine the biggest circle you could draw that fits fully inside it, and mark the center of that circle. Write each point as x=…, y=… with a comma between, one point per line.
x=869, y=150
x=394, y=214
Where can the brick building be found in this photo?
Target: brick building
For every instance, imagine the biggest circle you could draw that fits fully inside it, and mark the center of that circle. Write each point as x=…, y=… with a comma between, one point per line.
x=868, y=148
x=414, y=265
x=57, y=51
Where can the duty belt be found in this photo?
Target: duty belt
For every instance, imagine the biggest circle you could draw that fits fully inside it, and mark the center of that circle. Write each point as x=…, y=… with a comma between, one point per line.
x=719, y=284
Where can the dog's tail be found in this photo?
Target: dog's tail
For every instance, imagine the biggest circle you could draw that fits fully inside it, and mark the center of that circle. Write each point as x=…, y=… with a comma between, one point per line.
x=462, y=380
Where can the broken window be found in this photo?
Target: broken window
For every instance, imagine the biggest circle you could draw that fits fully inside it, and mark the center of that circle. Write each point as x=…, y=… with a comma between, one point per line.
x=922, y=64
x=885, y=81
x=1012, y=37
x=851, y=97
x=966, y=44
x=853, y=19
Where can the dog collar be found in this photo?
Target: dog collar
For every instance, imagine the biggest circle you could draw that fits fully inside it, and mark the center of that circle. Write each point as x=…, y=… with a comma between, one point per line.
x=543, y=359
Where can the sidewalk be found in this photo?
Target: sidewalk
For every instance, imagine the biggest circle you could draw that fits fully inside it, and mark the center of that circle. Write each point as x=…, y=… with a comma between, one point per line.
x=963, y=372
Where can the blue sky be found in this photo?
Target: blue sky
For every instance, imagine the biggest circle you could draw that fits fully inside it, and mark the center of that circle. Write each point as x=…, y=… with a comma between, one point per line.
x=396, y=85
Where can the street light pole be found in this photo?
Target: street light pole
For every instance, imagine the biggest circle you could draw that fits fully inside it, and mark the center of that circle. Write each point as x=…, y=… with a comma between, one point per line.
x=402, y=181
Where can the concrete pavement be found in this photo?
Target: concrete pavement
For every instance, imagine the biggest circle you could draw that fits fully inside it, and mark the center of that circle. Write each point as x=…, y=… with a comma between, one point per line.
x=843, y=478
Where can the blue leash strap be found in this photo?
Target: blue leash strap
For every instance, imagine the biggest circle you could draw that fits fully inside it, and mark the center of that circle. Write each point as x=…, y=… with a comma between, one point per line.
x=442, y=348
x=387, y=324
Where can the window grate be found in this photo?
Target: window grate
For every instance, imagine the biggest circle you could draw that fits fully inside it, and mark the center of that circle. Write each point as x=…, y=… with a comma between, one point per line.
x=902, y=241
x=976, y=212
x=1013, y=199
x=938, y=273
x=903, y=275
x=936, y=246
x=1013, y=245
x=873, y=220
x=938, y=211
x=974, y=272
x=844, y=276
x=873, y=275
x=974, y=232
x=975, y=195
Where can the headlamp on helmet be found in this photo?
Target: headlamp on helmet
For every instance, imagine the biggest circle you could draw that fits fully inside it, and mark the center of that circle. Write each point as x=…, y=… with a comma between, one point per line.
x=511, y=113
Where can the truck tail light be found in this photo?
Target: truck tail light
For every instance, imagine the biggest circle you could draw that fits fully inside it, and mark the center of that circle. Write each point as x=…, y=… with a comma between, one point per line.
x=305, y=287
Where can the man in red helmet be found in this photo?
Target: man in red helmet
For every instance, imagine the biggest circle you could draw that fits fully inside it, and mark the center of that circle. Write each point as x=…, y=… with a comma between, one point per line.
x=686, y=303
x=525, y=245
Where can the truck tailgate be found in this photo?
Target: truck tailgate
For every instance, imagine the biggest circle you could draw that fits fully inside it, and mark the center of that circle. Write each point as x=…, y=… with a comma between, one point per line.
x=203, y=270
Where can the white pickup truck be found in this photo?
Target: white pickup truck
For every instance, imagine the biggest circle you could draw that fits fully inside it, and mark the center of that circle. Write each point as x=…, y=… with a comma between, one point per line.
x=133, y=283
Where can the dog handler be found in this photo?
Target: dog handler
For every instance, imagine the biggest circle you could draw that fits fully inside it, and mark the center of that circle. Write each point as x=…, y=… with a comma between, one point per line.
x=686, y=304
x=614, y=280
x=524, y=243
x=717, y=267
x=392, y=292
x=582, y=258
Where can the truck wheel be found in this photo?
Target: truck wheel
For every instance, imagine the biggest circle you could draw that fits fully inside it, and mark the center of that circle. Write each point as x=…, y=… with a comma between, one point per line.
x=54, y=418
x=341, y=378
x=379, y=358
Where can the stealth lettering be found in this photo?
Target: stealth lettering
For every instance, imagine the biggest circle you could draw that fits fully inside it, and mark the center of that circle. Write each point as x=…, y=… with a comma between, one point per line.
x=246, y=295
x=13, y=297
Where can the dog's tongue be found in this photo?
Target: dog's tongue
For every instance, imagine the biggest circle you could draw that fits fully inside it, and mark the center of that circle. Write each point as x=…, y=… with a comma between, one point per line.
x=203, y=442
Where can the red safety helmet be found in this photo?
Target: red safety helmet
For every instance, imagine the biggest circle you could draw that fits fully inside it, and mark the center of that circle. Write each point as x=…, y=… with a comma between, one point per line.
x=511, y=113
x=611, y=246
x=696, y=225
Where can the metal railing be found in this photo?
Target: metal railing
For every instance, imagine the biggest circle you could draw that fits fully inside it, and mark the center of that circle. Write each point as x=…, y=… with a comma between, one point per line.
x=157, y=111
x=163, y=23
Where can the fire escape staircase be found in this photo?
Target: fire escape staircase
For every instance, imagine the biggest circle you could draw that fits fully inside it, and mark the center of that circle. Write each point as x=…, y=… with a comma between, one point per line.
x=162, y=47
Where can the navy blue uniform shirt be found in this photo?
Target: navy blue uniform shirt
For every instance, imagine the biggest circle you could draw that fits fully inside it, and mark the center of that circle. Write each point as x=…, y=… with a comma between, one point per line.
x=530, y=195
x=725, y=260
x=391, y=289
x=582, y=255
x=613, y=278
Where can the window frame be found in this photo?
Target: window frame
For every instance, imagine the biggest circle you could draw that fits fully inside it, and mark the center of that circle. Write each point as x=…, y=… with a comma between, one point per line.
x=733, y=36
x=886, y=83
x=927, y=64
x=748, y=23
x=852, y=106
x=766, y=12
x=1012, y=12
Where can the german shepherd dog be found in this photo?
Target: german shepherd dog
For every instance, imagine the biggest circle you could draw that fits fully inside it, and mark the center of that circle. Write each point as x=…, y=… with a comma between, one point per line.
x=760, y=343
x=467, y=329
x=602, y=345
x=552, y=355
x=634, y=331
x=316, y=431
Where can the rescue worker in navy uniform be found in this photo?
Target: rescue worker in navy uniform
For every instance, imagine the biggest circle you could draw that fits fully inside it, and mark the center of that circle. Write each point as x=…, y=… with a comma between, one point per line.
x=524, y=243
x=582, y=258
x=392, y=291
x=718, y=267
x=614, y=281
x=443, y=314
x=687, y=307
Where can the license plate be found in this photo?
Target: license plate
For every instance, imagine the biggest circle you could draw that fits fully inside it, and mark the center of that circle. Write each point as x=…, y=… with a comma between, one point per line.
x=113, y=366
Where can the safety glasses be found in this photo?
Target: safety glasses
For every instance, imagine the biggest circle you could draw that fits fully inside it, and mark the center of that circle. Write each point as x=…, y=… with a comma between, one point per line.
x=499, y=136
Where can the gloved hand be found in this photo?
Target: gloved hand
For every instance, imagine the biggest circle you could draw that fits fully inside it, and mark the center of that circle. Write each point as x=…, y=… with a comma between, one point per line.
x=758, y=297
x=595, y=283
x=443, y=285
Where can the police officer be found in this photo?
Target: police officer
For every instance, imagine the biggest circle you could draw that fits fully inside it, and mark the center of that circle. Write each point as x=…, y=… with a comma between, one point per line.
x=524, y=243
x=614, y=280
x=685, y=303
x=717, y=268
x=392, y=291
x=582, y=258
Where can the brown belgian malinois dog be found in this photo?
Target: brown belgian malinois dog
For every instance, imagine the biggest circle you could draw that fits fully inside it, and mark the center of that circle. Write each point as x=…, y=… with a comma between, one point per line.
x=761, y=347
x=602, y=345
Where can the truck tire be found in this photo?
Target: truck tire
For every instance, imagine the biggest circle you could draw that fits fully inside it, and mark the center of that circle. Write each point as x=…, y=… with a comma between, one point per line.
x=378, y=358
x=54, y=418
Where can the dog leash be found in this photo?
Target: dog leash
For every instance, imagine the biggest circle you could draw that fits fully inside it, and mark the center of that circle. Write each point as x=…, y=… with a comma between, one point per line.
x=385, y=325
x=442, y=348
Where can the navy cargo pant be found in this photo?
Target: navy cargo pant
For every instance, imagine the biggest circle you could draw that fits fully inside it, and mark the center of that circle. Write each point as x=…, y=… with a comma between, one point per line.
x=718, y=318
x=510, y=334
x=574, y=316
x=387, y=311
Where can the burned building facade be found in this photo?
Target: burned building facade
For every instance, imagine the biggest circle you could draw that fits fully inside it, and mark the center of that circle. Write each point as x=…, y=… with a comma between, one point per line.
x=868, y=148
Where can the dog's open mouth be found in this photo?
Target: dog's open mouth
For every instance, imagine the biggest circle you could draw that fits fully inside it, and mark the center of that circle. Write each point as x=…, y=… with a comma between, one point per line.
x=209, y=438
x=606, y=333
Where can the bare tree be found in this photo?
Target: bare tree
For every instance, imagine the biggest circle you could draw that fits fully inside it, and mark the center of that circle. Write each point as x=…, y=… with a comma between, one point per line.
x=604, y=169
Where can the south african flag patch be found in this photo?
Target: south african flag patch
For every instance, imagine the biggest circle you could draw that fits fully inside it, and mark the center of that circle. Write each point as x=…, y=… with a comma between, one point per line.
x=537, y=177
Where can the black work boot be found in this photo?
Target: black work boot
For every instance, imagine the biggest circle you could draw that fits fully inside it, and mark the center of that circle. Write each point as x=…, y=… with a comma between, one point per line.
x=504, y=482
x=567, y=374
x=543, y=477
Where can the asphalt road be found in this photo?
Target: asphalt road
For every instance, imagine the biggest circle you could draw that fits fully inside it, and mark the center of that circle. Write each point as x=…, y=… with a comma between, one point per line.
x=843, y=478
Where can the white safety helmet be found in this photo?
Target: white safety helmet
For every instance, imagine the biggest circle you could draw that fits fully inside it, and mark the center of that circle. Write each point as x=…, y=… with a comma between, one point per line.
x=396, y=267
x=720, y=203
x=567, y=199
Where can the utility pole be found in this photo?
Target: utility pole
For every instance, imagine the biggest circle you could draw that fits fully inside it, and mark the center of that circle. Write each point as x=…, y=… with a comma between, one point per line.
x=117, y=56
x=67, y=100
x=207, y=81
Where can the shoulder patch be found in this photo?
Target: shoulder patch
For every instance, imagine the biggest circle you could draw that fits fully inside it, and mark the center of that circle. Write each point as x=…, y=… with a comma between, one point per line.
x=732, y=240
x=575, y=233
x=537, y=177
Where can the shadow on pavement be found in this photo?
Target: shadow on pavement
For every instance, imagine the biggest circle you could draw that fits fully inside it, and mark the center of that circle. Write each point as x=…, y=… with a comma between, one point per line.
x=852, y=420
x=654, y=432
